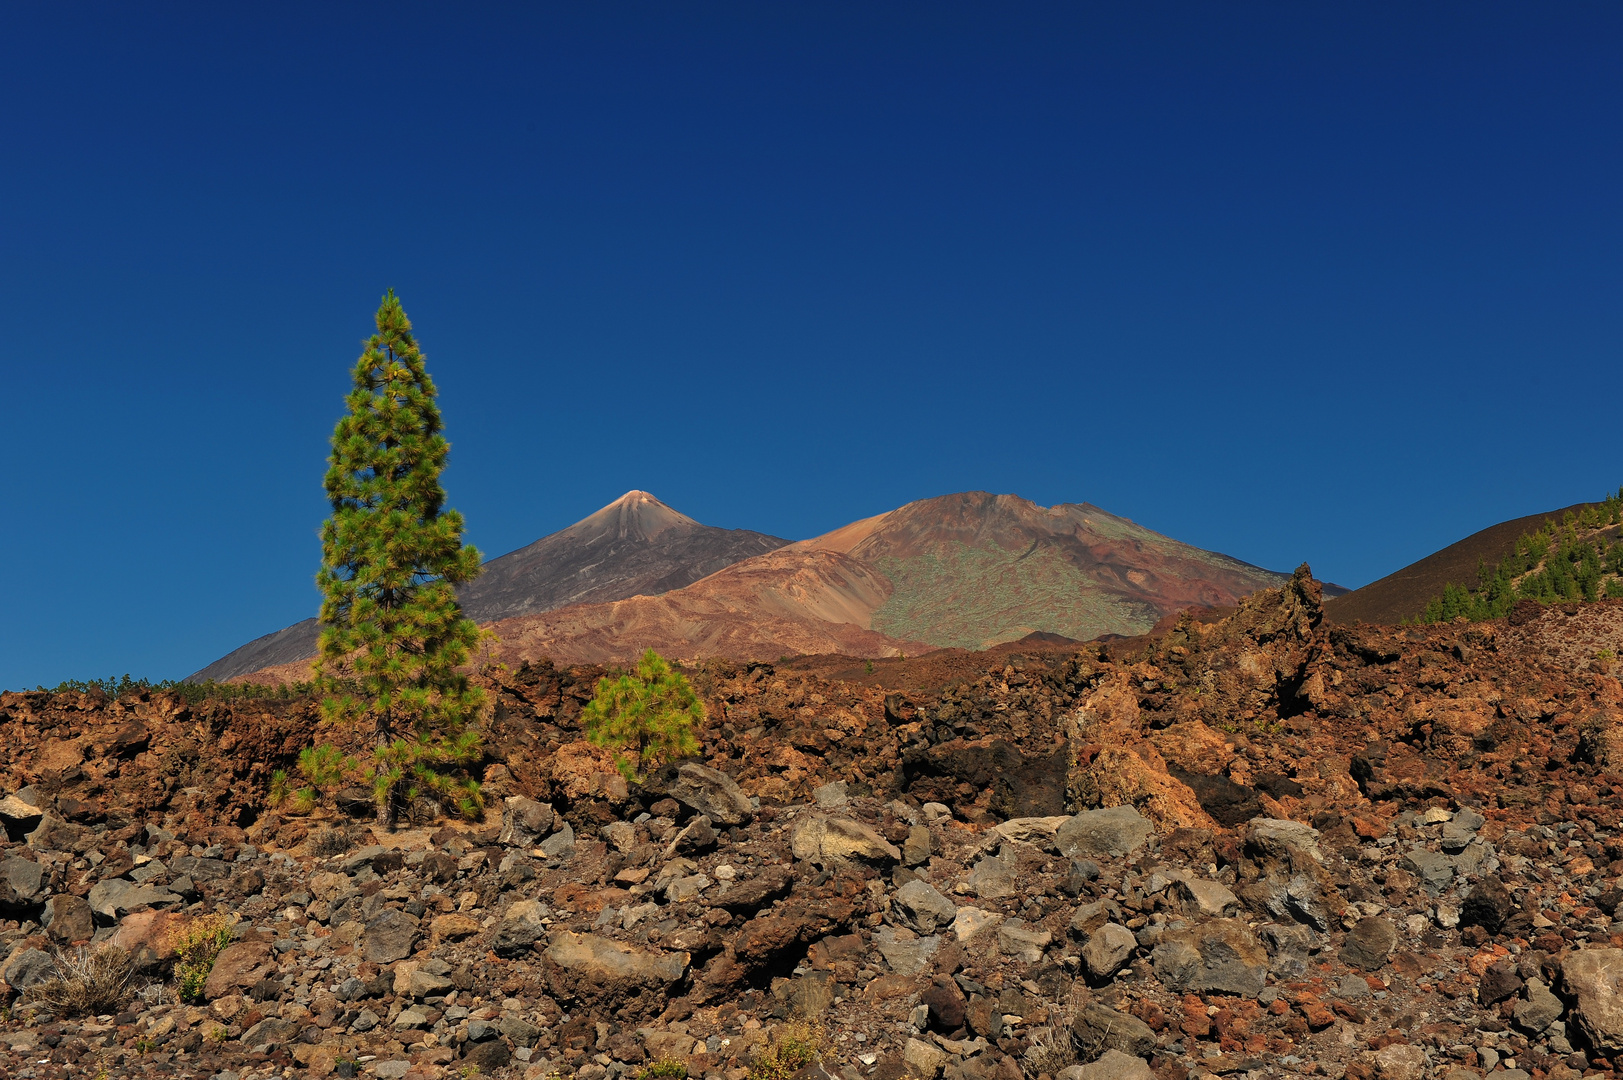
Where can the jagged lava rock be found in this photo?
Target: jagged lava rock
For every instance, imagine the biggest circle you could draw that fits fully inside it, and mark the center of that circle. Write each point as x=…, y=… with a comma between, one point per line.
x=711, y=792
x=1110, y=833
x=819, y=837
x=1594, y=977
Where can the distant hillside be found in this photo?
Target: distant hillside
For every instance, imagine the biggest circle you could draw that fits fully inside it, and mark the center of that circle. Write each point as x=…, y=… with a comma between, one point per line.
x=970, y=570
x=634, y=546
x=1403, y=594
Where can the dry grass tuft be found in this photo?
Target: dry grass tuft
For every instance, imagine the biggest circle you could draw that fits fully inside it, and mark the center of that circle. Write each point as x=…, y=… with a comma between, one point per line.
x=93, y=981
x=325, y=843
x=1052, y=1048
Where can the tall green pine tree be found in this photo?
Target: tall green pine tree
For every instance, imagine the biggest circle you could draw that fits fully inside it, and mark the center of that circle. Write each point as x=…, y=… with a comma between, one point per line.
x=393, y=633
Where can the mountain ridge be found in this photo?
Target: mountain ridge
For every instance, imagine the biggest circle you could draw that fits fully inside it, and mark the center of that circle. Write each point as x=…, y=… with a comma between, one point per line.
x=966, y=570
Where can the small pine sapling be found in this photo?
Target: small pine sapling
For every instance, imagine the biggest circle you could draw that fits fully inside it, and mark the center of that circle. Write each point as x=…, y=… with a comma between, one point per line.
x=651, y=711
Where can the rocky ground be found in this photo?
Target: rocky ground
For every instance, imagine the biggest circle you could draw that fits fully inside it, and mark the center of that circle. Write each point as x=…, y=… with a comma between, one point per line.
x=1252, y=845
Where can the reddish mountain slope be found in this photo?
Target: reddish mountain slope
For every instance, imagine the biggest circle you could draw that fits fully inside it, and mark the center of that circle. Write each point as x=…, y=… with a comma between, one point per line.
x=968, y=570
x=1403, y=594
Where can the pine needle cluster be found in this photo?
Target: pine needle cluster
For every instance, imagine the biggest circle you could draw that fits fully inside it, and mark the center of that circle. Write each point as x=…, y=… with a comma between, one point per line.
x=393, y=633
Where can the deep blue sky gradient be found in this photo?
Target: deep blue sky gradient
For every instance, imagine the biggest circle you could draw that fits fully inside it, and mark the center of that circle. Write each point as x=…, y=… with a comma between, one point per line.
x=1328, y=282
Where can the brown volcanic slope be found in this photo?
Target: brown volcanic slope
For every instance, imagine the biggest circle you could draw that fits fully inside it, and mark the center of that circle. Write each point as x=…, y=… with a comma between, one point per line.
x=1404, y=594
x=968, y=571
x=635, y=545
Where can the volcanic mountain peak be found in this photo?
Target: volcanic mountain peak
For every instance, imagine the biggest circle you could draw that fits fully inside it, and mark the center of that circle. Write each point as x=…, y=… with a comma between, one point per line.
x=636, y=515
x=634, y=546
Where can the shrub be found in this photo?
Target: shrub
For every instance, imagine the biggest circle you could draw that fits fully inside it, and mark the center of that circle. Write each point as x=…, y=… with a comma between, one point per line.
x=93, y=981
x=197, y=945
x=793, y=1047
x=652, y=710
x=664, y=1069
x=325, y=843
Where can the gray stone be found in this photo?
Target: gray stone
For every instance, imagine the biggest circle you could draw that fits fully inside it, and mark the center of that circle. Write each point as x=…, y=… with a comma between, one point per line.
x=683, y=889
x=1025, y=942
x=972, y=922
x=1109, y=833
x=621, y=835
x=918, y=847
x=1304, y=901
x=521, y=926
x=994, y=877
x=919, y=907
x=1107, y=950
x=21, y=881
x=27, y=967
x=54, y=834
x=698, y=835
x=1090, y=917
x=521, y=1031
x=1401, y=1061
x=1461, y=831
x=1208, y=899
x=490, y=1056
x=559, y=843
x=111, y=900
x=1469, y=862
x=422, y=984
x=839, y=839
x=202, y=869
x=1098, y=1029
x=1369, y=944
x=1351, y=988
x=1032, y=830
x=68, y=918
x=1435, y=870
x=1112, y=1065
x=355, y=861
x=1290, y=948
x=410, y=1018
x=272, y=1031
x=389, y=936
x=1276, y=838
x=1220, y=955
x=905, y=951
x=831, y=796
x=14, y=809
x=922, y=1060
x=592, y=957
x=1594, y=977
x=1077, y=877
x=524, y=822
x=366, y=1021
x=1539, y=1008
x=713, y=793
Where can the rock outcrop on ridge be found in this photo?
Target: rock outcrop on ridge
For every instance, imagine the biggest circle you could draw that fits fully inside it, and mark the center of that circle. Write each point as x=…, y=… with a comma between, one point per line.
x=1257, y=846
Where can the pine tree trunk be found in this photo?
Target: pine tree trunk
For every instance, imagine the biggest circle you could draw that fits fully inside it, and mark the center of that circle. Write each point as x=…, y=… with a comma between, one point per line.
x=386, y=805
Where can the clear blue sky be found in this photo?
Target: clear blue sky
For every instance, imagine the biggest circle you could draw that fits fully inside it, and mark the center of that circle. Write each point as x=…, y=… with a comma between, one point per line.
x=1328, y=282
